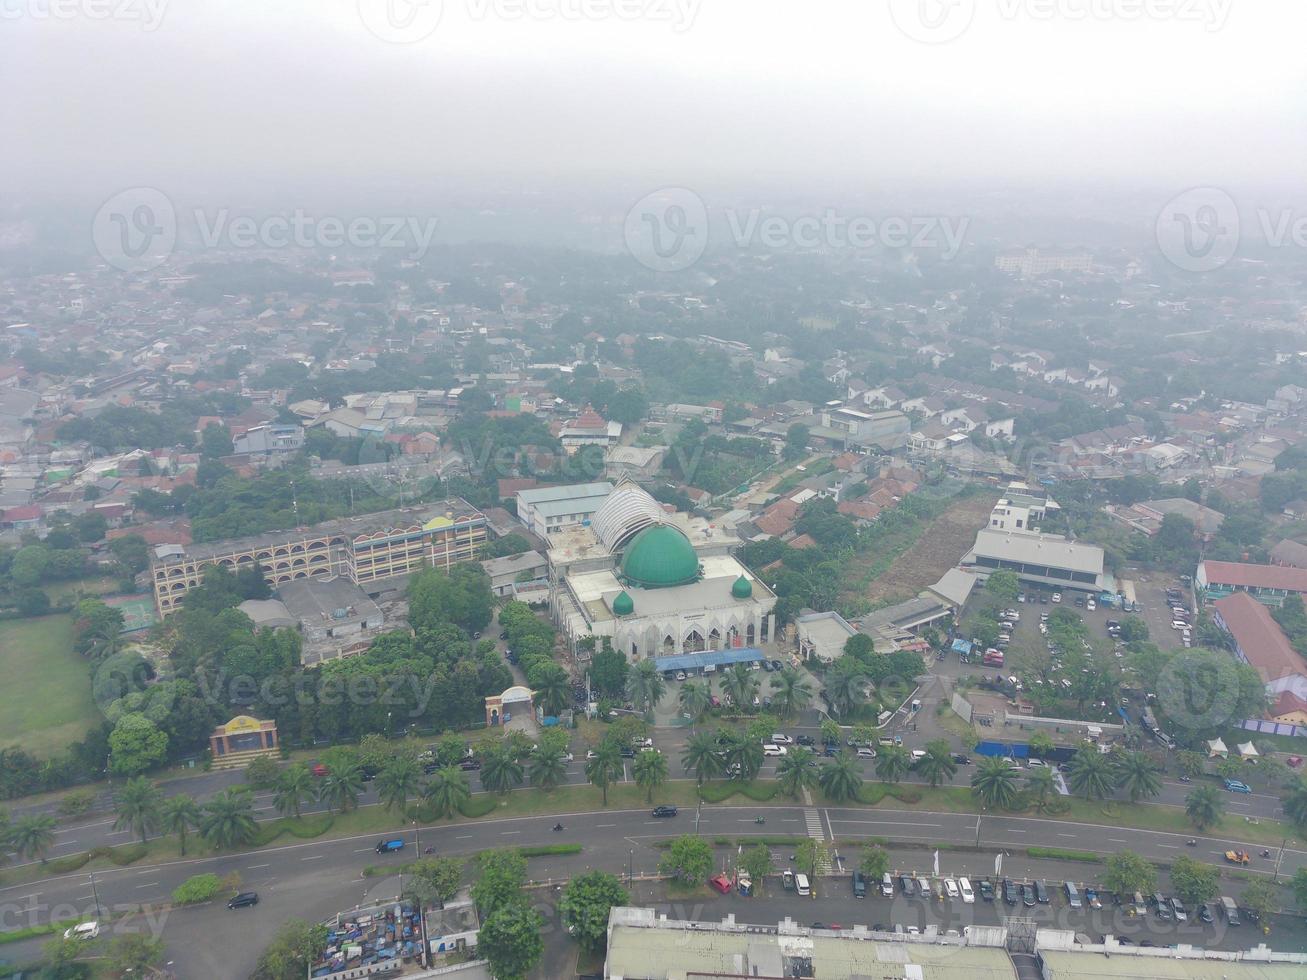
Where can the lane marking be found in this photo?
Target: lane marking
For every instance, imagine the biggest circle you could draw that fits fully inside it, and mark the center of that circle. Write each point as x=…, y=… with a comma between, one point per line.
x=148, y=884
x=601, y=826
x=510, y=833
x=1117, y=840
x=1174, y=847
x=255, y=867
x=313, y=857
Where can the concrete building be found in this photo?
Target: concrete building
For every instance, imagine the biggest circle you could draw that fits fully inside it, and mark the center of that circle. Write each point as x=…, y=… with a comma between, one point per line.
x=880, y=430
x=822, y=636
x=550, y=509
x=333, y=614
x=370, y=550
x=588, y=429
x=1043, y=559
x=509, y=573
x=1022, y=508
x=1259, y=641
x=633, y=462
x=267, y=440
x=1270, y=584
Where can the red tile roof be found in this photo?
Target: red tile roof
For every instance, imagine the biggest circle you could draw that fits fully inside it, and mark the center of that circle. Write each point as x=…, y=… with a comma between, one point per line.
x=778, y=518
x=802, y=541
x=31, y=512
x=1259, y=637
x=1287, y=703
x=1255, y=576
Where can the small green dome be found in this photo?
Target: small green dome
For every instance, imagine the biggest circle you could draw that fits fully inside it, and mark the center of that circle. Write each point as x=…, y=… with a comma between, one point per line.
x=623, y=605
x=658, y=557
x=742, y=588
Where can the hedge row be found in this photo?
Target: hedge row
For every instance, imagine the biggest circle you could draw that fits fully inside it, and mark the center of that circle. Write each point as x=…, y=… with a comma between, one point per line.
x=720, y=792
x=304, y=828
x=122, y=855
x=30, y=932
x=1061, y=854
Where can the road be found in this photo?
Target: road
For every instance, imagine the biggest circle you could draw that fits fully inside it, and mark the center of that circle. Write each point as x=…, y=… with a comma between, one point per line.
x=314, y=879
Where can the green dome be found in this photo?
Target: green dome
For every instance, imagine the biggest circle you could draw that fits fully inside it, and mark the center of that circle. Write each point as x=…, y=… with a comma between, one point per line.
x=743, y=588
x=658, y=557
x=623, y=605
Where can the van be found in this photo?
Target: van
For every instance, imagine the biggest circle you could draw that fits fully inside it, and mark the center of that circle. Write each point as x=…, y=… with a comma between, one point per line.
x=859, y=885
x=1138, y=906
x=1041, y=893
x=1072, y=894
x=801, y=885
x=887, y=885
x=1231, y=910
x=390, y=846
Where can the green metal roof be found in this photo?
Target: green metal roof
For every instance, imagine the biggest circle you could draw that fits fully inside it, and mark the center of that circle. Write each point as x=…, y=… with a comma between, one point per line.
x=659, y=557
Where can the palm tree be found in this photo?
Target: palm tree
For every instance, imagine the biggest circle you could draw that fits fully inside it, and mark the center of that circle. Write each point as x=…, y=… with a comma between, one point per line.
x=746, y=753
x=797, y=772
x=447, y=792
x=228, y=819
x=1041, y=784
x=1295, y=804
x=138, y=807
x=547, y=767
x=694, y=698
x=937, y=764
x=645, y=685
x=790, y=692
x=840, y=778
x=605, y=767
x=1138, y=776
x=294, y=786
x=1204, y=807
x=995, y=784
x=1091, y=774
x=179, y=815
x=553, y=691
x=500, y=771
x=703, y=757
x=33, y=836
x=399, y=781
x=341, y=786
x=893, y=763
x=650, y=771
x=844, y=687
x=741, y=685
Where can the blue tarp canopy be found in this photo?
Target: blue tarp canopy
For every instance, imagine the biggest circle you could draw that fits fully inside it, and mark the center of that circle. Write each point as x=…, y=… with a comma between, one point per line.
x=719, y=658
x=999, y=750
x=961, y=646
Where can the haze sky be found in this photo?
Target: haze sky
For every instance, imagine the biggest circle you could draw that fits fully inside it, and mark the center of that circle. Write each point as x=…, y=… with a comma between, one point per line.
x=245, y=97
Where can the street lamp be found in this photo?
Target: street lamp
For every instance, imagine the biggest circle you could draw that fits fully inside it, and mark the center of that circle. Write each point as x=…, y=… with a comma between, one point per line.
x=96, y=895
x=1280, y=857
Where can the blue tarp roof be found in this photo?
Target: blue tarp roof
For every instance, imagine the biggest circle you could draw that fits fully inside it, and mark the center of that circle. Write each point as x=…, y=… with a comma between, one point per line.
x=961, y=646
x=1015, y=750
x=721, y=658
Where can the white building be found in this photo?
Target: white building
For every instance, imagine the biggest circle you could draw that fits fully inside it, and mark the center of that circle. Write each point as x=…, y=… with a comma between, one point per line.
x=550, y=509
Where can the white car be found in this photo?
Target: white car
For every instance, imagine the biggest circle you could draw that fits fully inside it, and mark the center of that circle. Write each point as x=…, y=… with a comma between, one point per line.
x=781, y=739
x=770, y=749
x=1179, y=624
x=865, y=753
x=923, y=886
x=968, y=896
x=83, y=930
x=1057, y=596
x=680, y=675
x=1090, y=605
x=951, y=888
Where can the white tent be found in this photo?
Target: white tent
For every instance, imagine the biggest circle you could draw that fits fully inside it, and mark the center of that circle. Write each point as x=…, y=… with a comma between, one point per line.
x=1248, y=750
x=1216, y=749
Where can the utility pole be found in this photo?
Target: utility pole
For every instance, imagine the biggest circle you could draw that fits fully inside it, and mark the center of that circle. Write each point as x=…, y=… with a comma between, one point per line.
x=96, y=895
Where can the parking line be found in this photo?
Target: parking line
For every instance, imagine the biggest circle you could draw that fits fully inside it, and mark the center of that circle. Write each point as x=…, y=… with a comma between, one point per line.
x=313, y=857
x=601, y=826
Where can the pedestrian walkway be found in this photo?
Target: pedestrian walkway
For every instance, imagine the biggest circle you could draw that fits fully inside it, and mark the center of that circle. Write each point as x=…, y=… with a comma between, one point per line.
x=815, y=829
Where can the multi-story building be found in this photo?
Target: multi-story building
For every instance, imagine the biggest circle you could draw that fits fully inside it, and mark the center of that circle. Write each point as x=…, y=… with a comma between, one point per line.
x=880, y=430
x=368, y=549
x=1033, y=262
x=549, y=509
x=1270, y=584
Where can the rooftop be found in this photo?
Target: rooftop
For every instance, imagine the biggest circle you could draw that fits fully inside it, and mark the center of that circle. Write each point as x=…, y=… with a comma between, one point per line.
x=1038, y=549
x=1259, y=637
x=1246, y=576
x=319, y=600
x=573, y=491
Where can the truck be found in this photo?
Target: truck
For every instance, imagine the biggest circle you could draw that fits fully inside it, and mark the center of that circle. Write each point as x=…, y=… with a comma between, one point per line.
x=1237, y=857
x=390, y=845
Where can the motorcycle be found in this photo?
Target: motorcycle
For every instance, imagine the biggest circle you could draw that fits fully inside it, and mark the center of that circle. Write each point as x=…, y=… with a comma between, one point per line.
x=1266, y=853
x=429, y=850
x=558, y=826
x=1191, y=843
x=759, y=819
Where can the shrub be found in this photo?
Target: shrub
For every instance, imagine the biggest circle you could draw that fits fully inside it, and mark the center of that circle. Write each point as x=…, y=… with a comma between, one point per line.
x=1061, y=854
x=65, y=865
x=196, y=889
x=548, y=850
x=478, y=806
x=77, y=803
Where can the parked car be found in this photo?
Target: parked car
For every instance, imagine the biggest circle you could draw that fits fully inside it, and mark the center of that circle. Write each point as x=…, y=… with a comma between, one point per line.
x=244, y=900
x=1162, y=907
x=805, y=740
x=1178, y=908
x=951, y=888
x=787, y=880
x=866, y=753
x=986, y=890
x=859, y=885
x=1057, y=597
x=720, y=883
x=906, y=886
x=1205, y=913
x=964, y=888
x=1010, y=892
x=887, y=885
x=1234, y=786
x=83, y=930
x=1028, y=895
x=923, y=885
x=1041, y=892
x=781, y=739
x=664, y=811
x=771, y=749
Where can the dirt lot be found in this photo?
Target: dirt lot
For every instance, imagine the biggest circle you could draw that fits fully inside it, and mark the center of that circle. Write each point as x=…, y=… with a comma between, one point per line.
x=938, y=549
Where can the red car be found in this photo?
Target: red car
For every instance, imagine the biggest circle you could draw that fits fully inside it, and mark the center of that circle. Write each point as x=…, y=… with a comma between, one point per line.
x=319, y=770
x=721, y=883
x=1295, y=761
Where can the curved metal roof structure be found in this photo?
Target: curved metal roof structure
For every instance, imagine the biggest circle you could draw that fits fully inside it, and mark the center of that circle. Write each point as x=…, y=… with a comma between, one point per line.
x=628, y=510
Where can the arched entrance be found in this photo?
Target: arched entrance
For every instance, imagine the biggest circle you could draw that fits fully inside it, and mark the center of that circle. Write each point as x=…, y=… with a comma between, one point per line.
x=694, y=641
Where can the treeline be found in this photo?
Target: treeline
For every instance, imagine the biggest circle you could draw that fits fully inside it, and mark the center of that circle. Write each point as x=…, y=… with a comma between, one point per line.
x=118, y=429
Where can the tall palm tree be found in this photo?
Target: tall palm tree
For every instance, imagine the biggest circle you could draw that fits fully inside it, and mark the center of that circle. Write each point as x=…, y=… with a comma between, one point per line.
x=790, y=692
x=399, y=781
x=844, y=686
x=294, y=786
x=893, y=763
x=937, y=764
x=1137, y=775
x=606, y=766
x=547, y=767
x=1204, y=806
x=1295, y=804
x=746, y=753
x=645, y=685
x=694, y=698
x=840, y=778
x=228, y=819
x=447, y=792
x=650, y=771
x=1091, y=774
x=797, y=772
x=741, y=685
x=500, y=771
x=179, y=815
x=995, y=784
x=137, y=807
x=703, y=757
x=1041, y=784
x=341, y=787
x=33, y=836
x=553, y=691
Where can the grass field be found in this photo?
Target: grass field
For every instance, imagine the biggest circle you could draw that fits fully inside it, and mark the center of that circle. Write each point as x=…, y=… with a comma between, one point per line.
x=45, y=702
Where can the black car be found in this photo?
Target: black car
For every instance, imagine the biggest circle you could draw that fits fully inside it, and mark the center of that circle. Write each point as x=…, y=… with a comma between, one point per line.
x=1010, y=892
x=986, y=890
x=1205, y=912
x=859, y=885
x=830, y=752
x=1028, y=895
x=962, y=760
x=805, y=740
x=430, y=768
x=766, y=665
x=777, y=665
x=503, y=635
x=243, y=900
x=907, y=885
x=664, y=811
x=470, y=765
x=628, y=752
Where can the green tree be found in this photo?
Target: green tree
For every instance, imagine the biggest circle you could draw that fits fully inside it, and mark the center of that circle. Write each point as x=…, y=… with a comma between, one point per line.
x=1041, y=784
x=341, y=786
x=1191, y=764
x=500, y=771
x=740, y=685
x=137, y=744
x=830, y=731
x=510, y=940
x=138, y=807
x=758, y=863
x=1091, y=773
x=215, y=441
x=645, y=685
x=135, y=954
x=1128, y=873
x=585, y=904
x=262, y=773
x=1041, y=745
x=553, y=689
x=1261, y=898
x=812, y=856
x=1204, y=807
x=937, y=764
x=447, y=792
x=845, y=683
x=605, y=768
x=841, y=778
x=689, y=860
x=892, y=763
x=790, y=693
x=797, y=772
x=875, y=861
x=1003, y=585
x=702, y=756
x=1194, y=881
x=994, y=784
x=32, y=836
x=608, y=670
x=650, y=771
x=434, y=880
x=296, y=946
x=745, y=753
x=501, y=873
x=1295, y=804
x=1138, y=775
x=399, y=781
x=1298, y=885
x=228, y=819
x=693, y=698
x=547, y=767
x=796, y=441
x=293, y=788
x=179, y=814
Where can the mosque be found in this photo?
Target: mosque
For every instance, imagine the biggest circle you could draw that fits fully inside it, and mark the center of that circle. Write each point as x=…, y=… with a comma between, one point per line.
x=656, y=583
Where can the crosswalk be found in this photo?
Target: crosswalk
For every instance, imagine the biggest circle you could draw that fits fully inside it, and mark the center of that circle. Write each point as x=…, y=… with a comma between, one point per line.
x=813, y=821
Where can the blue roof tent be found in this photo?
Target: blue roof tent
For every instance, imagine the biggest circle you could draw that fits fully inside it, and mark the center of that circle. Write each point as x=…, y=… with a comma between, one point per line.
x=962, y=646
x=1016, y=750
x=718, y=658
